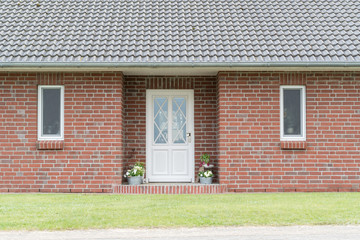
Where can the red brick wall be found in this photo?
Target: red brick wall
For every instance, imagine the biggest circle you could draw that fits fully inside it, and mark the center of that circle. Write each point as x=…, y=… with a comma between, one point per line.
x=244, y=106
x=250, y=154
x=135, y=113
x=90, y=157
x=135, y=120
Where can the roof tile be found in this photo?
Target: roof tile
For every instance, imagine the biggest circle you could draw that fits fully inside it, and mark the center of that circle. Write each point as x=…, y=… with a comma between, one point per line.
x=140, y=31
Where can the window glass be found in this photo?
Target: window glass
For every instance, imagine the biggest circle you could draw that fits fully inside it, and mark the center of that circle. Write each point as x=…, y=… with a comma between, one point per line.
x=179, y=120
x=292, y=112
x=51, y=105
x=160, y=120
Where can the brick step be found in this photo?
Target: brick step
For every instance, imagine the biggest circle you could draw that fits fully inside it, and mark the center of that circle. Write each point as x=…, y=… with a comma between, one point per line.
x=170, y=188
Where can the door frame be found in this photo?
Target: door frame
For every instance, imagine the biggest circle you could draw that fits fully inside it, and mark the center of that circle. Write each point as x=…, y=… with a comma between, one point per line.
x=149, y=94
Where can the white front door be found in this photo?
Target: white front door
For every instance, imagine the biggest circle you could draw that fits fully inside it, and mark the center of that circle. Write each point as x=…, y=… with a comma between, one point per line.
x=169, y=135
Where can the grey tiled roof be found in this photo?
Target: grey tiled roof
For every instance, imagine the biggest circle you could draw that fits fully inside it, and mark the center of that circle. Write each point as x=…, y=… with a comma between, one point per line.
x=179, y=31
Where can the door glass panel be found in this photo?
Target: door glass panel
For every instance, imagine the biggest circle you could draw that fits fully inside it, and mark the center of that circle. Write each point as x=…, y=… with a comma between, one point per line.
x=160, y=120
x=178, y=120
x=292, y=112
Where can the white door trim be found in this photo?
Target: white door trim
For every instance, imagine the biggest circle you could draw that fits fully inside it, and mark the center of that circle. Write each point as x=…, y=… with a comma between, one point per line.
x=149, y=133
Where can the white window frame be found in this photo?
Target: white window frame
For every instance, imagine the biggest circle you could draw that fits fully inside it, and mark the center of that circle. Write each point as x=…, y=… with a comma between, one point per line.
x=40, y=113
x=301, y=137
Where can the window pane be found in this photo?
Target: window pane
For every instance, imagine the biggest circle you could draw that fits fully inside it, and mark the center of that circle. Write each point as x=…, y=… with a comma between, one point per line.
x=160, y=120
x=179, y=120
x=292, y=112
x=51, y=111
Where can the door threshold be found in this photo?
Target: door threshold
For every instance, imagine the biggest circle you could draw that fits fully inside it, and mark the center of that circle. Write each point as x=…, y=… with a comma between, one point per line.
x=169, y=183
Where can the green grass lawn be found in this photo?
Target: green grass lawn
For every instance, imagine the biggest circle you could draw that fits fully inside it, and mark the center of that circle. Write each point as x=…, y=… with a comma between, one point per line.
x=82, y=211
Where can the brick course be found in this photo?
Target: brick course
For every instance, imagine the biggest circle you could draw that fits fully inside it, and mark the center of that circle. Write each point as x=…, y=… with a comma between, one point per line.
x=50, y=145
x=90, y=157
x=292, y=145
x=171, y=189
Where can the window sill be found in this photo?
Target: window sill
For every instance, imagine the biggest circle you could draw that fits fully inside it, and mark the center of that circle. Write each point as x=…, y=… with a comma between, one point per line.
x=293, y=145
x=50, y=144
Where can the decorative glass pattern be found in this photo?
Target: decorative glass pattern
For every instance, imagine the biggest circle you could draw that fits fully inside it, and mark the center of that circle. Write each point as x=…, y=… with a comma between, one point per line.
x=160, y=120
x=178, y=120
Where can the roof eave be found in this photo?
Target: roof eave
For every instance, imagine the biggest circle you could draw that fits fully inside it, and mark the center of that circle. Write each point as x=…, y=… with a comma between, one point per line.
x=175, y=64
x=179, y=69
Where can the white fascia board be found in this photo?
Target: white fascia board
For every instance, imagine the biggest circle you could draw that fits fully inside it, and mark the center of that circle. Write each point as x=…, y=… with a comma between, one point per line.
x=174, y=71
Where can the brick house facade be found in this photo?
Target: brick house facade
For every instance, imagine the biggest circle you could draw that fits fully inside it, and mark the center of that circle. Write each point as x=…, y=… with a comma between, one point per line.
x=270, y=91
x=236, y=121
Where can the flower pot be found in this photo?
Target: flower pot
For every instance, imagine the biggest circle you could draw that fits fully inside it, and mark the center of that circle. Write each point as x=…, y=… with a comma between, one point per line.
x=204, y=180
x=135, y=180
x=208, y=166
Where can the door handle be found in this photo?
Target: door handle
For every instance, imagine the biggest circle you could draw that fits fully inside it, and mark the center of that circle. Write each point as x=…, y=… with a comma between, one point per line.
x=188, y=135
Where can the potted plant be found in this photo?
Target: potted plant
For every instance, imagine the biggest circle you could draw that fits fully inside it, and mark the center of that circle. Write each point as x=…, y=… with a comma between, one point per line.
x=206, y=177
x=135, y=175
x=204, y=159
